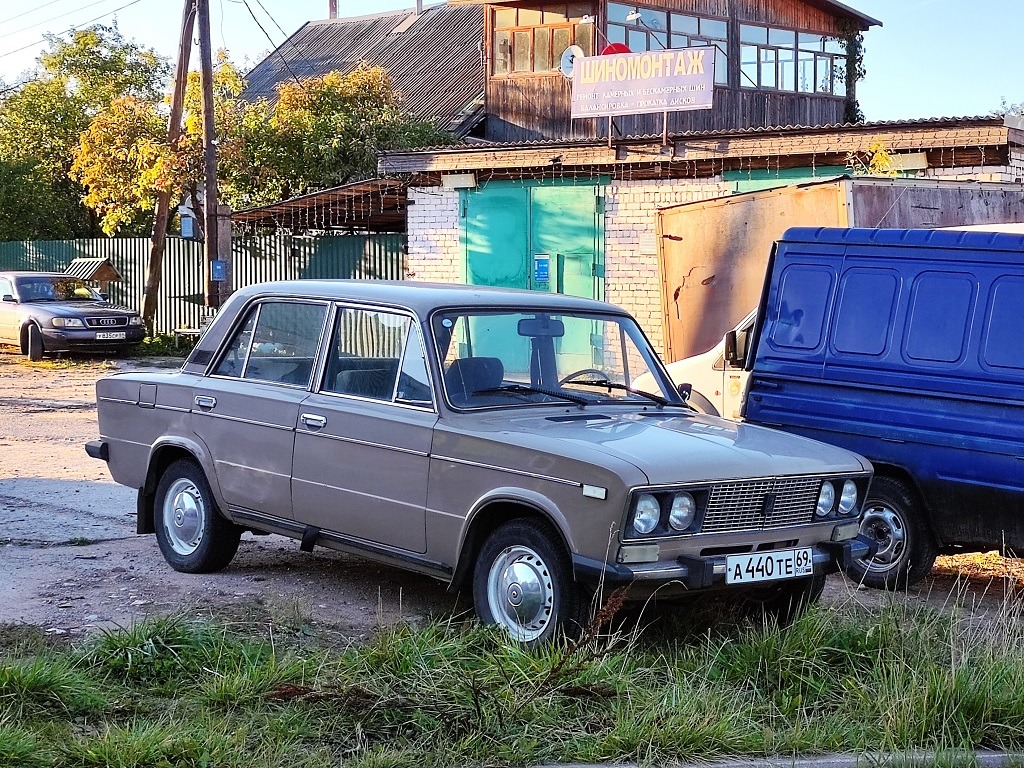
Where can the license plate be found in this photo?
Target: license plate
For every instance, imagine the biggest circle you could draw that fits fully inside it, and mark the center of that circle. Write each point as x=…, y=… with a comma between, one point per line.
x=769, y=566
x=109, y=335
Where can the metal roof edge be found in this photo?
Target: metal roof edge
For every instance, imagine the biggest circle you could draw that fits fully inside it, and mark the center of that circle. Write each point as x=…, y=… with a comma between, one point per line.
x=913, y=238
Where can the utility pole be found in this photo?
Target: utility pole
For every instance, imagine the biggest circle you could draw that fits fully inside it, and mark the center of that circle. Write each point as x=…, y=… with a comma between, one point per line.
x=210, y=209
x=163, y=199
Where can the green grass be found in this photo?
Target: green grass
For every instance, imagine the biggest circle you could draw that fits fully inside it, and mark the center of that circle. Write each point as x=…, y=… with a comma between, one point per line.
x=163, y=345
x=175, y=692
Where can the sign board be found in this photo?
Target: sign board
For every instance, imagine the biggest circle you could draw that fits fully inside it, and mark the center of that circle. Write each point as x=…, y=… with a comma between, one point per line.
x=644, y=83
x=541, y=268
x=218, y=271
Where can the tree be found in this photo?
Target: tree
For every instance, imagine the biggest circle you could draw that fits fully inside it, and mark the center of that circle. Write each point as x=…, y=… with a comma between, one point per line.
x=41, y=119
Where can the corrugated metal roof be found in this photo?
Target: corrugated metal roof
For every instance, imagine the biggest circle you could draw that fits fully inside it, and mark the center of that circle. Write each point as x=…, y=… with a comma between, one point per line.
x=927, y=122
x=92, y=269
x=434, y=62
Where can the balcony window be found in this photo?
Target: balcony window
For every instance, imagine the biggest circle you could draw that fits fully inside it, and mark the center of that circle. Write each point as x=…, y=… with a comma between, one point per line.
x=655, y=30
x=787, y=60
x=532, y=40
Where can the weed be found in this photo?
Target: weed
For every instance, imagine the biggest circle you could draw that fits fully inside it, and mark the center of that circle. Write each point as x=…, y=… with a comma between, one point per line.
x=46, y=685
x=80, y=541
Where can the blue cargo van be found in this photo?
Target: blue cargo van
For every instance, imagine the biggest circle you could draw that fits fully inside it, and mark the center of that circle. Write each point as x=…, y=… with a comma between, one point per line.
x=906, y=346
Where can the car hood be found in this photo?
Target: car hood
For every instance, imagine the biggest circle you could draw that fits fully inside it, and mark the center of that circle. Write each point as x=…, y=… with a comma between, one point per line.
x=76, y=309
x=673, y=446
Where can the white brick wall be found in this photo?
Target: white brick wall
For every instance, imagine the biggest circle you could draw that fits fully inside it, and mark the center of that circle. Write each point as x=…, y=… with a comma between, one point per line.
x=632, y=276
x=997, y=173
x=434, y=249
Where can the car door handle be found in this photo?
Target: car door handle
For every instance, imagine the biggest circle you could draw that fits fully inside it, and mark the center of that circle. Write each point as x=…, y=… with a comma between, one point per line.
x=205, y=401
x=313, y=421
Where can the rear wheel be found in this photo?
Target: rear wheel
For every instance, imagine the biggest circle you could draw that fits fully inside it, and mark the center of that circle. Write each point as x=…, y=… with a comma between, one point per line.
x=523, y=582
x=34, y=343
x=895, y=520
x=193, y=536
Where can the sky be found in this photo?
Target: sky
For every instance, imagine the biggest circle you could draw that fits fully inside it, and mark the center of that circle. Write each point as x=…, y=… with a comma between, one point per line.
x=931, y=58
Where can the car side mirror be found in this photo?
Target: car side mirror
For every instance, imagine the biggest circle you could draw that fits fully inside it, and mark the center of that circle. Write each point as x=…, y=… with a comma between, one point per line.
x=685, y=390
x=732, y=355
x=8, y=297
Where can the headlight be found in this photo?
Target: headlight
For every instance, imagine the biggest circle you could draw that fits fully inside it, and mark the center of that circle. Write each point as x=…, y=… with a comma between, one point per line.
x=136, y=320
x=647, y=514
x=67, y=322
x=848, y=499
x=683, y=510
x=826, y=499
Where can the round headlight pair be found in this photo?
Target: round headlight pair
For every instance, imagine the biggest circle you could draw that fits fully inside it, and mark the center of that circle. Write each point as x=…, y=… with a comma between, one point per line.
x=648, y=513
x=827, y=498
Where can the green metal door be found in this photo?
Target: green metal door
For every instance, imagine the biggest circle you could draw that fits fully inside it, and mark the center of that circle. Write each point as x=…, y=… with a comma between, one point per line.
x=496, y=234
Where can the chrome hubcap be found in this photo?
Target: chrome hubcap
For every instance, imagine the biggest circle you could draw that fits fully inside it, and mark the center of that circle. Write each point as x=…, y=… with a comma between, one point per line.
x=184, y=516
x=881, y=524
x=520, y=593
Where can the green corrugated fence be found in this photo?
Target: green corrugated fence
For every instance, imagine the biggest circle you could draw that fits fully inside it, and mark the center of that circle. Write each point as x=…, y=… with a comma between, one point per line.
x=255, y=259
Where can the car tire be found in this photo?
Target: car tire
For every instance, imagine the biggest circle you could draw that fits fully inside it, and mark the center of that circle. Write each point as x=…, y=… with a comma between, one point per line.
x=895, y=519
x=523, y=582
x=34, y=343
x=193, y=536
x=785, y=602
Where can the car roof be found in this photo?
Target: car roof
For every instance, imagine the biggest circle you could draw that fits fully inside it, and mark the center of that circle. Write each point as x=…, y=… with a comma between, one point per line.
x=423, y=298
x=27, y=273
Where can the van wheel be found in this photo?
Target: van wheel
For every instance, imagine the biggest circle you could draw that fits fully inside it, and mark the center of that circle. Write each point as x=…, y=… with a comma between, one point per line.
x=523, y=583
x=895, y=520
x=34, y=343
x=192, y=534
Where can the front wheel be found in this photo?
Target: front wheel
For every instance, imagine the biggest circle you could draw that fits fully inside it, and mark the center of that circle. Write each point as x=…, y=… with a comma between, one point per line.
x=895, y=520
x=193, y=536
x=523, y=582
x=34, y=343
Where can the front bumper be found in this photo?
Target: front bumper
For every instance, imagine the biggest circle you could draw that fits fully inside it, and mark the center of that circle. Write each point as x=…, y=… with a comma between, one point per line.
x=68, y=339
x=696, y=573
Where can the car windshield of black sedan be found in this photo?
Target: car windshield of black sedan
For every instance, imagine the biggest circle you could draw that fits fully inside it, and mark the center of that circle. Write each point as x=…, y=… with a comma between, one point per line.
x=33, y=289
x=506, y=358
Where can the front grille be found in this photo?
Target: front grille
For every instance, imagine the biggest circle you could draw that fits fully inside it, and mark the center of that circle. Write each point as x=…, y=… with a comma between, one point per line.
x=742, y=506
x=106, y=322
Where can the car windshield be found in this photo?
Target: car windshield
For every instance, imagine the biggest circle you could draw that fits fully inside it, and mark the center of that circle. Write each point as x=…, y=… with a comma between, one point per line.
x=506, y=358
x=32, y=289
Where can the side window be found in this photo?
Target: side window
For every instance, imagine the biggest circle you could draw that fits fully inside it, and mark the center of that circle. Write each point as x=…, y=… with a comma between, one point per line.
x=866, y=304
x=413, y=381
x=366, y=353
x=1002, y=346
x=280, y=348
x=940, y=309
x=233, y=362
x=802, y=302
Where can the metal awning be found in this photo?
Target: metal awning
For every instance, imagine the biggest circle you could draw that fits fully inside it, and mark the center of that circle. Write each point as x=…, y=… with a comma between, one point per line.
x=99, y=270
x=372, y=205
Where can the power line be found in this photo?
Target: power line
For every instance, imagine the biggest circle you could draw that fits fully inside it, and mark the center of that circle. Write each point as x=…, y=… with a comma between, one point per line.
x=26, y=13
x=271, y=41
x=52, y=18
x=71, y=28
x=288, y=38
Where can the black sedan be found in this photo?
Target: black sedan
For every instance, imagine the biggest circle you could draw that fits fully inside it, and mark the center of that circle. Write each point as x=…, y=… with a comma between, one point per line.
x=50, y=312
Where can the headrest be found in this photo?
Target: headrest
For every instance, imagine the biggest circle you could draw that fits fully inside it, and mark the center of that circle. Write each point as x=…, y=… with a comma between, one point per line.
x=472, y=374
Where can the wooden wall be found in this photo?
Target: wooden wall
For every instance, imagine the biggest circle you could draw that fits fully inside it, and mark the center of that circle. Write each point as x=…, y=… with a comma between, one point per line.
x=536, y=107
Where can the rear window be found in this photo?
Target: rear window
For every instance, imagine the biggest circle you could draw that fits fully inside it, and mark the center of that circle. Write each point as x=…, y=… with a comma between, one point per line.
x=803, y=301
x=938, y=321
x=1002, y=346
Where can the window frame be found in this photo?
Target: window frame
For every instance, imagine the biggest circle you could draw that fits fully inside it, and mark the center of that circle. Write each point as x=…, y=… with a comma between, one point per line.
x=320, y=370
x=519, y=27
x=720, y=44
x=796, y=49
x=239, y=322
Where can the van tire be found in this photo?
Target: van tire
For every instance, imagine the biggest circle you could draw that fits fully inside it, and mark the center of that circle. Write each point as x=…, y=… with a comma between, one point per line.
x=34, y=343
x=894, y=516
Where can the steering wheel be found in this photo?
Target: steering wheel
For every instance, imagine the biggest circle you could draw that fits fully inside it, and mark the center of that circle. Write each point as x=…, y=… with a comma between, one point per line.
x=582, y=372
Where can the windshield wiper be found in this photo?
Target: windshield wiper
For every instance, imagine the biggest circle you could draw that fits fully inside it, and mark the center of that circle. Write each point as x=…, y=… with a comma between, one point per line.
x=608, y=384
x=528, y=389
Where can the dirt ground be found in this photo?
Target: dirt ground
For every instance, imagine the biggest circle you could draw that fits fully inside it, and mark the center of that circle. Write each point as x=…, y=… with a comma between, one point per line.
x=70, y=561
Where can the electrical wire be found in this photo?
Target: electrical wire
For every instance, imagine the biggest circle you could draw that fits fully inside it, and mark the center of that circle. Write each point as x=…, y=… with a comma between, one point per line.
x=30, y=10
x=271, y=41
x=71, y=28
x=52, y=18
x=288, y=38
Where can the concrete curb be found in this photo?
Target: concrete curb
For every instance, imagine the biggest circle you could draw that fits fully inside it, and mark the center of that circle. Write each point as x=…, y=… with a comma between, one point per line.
x=980, y=759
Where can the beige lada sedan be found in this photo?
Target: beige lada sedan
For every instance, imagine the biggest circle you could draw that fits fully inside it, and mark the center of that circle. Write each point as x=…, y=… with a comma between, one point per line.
x=487, y=438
